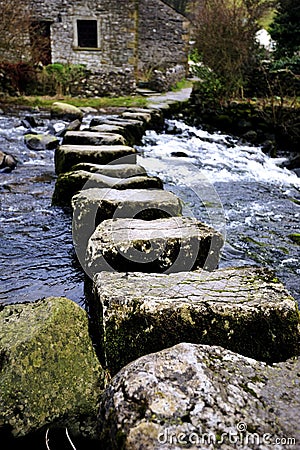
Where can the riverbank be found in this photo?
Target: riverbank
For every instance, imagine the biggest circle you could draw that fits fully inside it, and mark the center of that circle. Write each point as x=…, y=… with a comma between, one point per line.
x=271, y=123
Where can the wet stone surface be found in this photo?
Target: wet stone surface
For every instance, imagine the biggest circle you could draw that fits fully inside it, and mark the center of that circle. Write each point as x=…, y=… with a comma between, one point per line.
x=245, y=309
x=198, y=396
x=178, y=244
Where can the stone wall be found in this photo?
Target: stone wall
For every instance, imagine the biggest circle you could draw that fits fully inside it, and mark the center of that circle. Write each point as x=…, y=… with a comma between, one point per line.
x=163, y=41
x=133, y=38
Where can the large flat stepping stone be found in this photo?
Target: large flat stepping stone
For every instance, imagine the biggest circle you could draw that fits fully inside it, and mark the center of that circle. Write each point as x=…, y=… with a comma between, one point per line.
x=163, y=245
x=201, y=397
x=112, y=170
x=245, y=309
x=92, y=138
x=93, y=206
x=67, y=156
x=70, y=183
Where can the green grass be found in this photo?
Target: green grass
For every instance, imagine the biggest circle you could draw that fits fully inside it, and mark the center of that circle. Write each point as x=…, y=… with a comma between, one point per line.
x=102, y=102
x=182, y=85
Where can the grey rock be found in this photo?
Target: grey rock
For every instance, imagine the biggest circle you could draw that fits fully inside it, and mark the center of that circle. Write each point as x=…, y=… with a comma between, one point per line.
x=93, y=206
x=205, y=397
x=163, y=245
x=49, y=369
x=245, y=309
x=67, y=156
x=41, y=141
x=135, y=129
x=7, y=162
x=113, y=170
x=70, y=183
x=142, y=116
x=65, y=111
x=92, y=138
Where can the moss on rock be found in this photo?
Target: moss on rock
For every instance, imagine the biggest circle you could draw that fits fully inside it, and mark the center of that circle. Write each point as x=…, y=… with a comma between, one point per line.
x=49, y=370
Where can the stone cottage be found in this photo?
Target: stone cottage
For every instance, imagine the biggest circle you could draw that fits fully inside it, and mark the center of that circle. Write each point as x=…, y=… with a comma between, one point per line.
x=121, y=42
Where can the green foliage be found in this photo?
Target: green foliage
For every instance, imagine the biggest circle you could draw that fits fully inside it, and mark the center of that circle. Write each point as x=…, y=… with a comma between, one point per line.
x=58, y=78
x=288, y=63
x=285, y=29
x=225, y=34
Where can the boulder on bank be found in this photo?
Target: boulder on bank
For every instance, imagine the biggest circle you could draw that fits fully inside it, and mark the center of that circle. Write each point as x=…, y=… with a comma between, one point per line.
x=112, y=170
x=176, y=244
x=198, y=396
x=67, y=156
x=244, y=309
x=49, y=370
x=93, y=206
x=92, y=138
x=70, y=183
x=41, y=141
x=65, y=111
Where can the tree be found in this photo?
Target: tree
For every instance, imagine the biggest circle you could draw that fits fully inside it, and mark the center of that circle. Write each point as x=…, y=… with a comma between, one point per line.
x=225, y=34
x=285, y=29
x=22, y=37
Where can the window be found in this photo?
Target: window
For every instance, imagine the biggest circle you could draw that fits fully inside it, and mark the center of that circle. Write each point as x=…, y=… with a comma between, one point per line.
x=87, y=34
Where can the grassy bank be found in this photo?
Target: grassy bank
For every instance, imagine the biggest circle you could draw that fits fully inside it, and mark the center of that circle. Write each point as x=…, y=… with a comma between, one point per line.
x=98, y=103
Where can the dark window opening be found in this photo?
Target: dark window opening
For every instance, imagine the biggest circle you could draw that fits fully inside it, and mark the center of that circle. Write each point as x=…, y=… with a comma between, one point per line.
x=87, y=33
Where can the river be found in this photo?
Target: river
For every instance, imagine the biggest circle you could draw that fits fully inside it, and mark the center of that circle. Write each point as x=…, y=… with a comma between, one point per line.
x=232, y=186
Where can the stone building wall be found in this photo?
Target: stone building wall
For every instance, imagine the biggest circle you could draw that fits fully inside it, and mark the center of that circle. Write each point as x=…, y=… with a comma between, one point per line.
x=111, y=66
x=134, y=37
x=163, y=41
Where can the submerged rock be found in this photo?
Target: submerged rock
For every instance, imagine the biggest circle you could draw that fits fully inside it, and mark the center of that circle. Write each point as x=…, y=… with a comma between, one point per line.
x=7, y=162
x=197, y=396
x=244, y=309
x=41, y=141
x=67, y=156
x=70, y=183
x=163, y=245
x=49, y=370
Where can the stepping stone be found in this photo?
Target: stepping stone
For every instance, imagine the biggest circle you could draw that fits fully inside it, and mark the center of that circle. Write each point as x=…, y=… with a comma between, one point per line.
x=115, y=129
x=177, y=244
x=93, y=206
x=143, y=116
x=70, y=183
x=67, y=156
x=245, y=309
x=201, y=397
x=134, y=128
x=92, y=138
x=112, y=170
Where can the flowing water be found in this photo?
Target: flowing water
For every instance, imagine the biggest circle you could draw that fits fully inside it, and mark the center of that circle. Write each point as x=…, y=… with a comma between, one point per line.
x=238, y=190
x=37, y=257
x=231, y=186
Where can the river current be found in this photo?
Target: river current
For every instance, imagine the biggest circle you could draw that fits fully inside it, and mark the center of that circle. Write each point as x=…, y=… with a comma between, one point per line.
x=230, y=185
